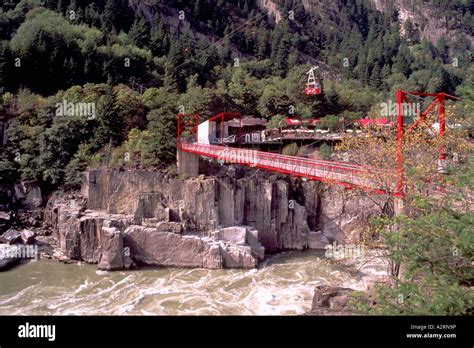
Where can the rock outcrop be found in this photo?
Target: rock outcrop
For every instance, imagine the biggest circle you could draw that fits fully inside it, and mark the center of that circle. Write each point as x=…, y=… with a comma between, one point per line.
x=113, y=255
x=10, y=237
x=6, y=221
x=116, y=241
x=329, y=300
x=263, y=202
x=7, y=262
x=344, y=215
x=227, y=220
x=283, y=210
x=21, y=194
x=80, y=235
x=152, y=248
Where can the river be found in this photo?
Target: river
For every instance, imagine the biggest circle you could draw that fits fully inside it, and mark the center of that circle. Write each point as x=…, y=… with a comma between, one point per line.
x=283, y=284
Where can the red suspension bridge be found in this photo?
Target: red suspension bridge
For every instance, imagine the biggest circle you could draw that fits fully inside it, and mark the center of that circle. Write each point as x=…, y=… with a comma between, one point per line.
x=348, y=175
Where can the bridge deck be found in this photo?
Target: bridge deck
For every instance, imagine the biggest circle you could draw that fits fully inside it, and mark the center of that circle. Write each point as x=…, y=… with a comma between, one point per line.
x=348, y=175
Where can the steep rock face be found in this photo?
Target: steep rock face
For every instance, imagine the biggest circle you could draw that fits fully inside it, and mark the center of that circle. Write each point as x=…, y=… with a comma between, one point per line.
x=173, y=222
x=114, y=241
x=148, y=194
x=284, y=211
x=205, y=204
x=78, y=236
x=429, y=19
x=345, y=215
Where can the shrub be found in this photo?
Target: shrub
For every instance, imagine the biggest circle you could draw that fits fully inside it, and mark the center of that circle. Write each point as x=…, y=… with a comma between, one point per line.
x=325, y=151
x=330, y=122
x=290, y=149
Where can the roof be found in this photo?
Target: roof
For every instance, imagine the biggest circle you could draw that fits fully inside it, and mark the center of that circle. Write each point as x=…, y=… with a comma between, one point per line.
x=375, y=121
x=247, y=120
x=297, y=122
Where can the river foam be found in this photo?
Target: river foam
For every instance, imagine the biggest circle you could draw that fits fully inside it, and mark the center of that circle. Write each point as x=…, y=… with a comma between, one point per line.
x=282, y=285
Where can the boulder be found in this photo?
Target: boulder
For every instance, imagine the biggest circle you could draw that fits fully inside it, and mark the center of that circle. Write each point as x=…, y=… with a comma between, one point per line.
x=27, y=236
x=10, y=237
x=329, y=300
x=240, y=236
x=111, y=250
x=235, y=234
x=150, y=247
x=237, y=256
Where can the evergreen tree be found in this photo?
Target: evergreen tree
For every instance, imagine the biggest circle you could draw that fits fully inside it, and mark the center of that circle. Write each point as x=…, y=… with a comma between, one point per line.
x=92, y=16
x=262, y=43
x=411, y=32
x=139, y=32
x=224, y=53
x=403, y=61
x=375, y=80
x=110, y=125
x=442, y=49
x=158, y=38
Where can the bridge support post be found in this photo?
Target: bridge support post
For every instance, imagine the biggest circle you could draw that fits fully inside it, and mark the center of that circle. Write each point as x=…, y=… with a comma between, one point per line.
x=187, y=163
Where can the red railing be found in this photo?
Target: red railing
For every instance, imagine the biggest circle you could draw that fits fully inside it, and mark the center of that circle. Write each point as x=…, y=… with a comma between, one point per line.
x=348, y=175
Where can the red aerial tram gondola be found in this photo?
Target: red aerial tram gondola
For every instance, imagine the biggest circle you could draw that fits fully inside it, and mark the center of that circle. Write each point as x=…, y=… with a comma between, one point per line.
x=312, y=86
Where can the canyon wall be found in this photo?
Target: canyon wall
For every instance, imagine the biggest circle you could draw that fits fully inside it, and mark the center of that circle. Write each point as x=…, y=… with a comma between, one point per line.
x=166, y=220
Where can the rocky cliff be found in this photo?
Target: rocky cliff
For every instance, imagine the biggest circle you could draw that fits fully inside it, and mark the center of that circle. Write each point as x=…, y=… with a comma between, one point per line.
x=225, y=220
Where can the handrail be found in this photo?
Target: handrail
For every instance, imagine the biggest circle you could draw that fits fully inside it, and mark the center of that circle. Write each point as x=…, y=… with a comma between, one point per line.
x=347, y=166
x=326, y=170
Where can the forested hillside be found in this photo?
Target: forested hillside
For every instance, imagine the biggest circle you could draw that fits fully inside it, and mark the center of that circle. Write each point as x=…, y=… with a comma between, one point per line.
x=140, y=62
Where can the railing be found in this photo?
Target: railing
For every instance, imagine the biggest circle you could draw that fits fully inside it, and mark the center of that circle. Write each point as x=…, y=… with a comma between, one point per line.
x=330, y=171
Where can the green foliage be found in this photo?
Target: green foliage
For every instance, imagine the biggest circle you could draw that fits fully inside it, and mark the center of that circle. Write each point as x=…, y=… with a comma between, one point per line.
x=75, y=168
x=430, y=247
x=160, y=146
x=276, y=121
x=330, y=122
x=8, y=169
x=435, y=248
x=325, y=151
x=290, y=149
x=139, y=71
x=244, y=89
x=464, y=175
x=47, y=44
